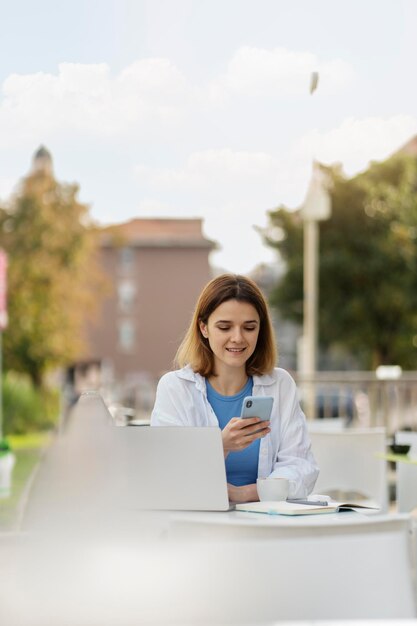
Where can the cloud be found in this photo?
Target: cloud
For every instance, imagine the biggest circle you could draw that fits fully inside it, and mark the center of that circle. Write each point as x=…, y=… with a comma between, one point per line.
x=235, y=189
x=245, y=183
x=232, y=190
x=277, y=73
x=149, y=98
x=88, y=99
x=221, y=177
x=357, y=141
x=220, y=171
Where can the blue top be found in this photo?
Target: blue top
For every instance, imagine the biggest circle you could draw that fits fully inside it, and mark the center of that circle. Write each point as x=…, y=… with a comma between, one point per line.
x=242, y=465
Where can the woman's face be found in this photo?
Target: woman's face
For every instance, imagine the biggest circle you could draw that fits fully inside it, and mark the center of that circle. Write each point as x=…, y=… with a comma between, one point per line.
x=232, y=331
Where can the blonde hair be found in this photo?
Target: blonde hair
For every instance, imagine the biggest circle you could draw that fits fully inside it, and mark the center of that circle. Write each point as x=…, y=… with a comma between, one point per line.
x=195, y=349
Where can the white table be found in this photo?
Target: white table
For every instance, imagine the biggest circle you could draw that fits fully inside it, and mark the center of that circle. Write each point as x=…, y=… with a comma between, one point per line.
x=241, y=524
x=333, y=566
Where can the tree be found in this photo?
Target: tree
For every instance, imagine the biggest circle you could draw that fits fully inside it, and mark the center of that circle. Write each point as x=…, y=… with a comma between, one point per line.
x=50, y=247
x=367, y=264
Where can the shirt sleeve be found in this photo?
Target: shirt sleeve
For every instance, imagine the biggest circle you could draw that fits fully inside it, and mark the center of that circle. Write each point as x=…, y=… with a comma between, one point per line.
x=168, y=409
x=293, y=457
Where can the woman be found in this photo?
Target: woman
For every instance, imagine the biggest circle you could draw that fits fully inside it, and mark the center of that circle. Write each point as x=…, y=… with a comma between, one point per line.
x=229, y=353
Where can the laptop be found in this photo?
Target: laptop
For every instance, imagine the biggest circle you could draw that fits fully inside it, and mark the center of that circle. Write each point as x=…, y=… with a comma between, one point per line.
x=176, y=468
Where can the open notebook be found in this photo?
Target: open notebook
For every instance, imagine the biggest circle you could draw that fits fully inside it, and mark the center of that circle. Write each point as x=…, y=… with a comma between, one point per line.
x=291, y=508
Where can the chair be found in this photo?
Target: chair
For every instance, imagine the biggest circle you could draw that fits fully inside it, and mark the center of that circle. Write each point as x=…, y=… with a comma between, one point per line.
x=406, y=480
x=328, y=424
x=348, y=463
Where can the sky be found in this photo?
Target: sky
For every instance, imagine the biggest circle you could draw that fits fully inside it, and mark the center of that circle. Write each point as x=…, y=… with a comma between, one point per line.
x=201, y=108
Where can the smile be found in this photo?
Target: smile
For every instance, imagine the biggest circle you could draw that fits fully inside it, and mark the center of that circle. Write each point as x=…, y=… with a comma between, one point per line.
x=235, y=349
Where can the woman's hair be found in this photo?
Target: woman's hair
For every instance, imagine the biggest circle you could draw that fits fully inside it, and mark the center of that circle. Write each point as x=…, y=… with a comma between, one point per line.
x=195, y=349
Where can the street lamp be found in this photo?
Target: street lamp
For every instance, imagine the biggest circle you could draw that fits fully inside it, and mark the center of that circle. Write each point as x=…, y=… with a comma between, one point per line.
x=316, y=207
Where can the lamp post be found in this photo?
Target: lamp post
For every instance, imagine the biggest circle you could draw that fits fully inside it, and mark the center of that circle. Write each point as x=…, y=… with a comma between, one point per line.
x=316, y=207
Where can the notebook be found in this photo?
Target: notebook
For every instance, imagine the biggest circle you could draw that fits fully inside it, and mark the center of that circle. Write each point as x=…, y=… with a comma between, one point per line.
x=290, y=508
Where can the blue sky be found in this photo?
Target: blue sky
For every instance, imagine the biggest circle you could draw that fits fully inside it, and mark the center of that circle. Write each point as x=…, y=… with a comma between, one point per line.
x=201, y=108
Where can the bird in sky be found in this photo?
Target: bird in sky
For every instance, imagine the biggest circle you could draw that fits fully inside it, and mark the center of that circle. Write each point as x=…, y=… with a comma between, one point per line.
x=314, y=81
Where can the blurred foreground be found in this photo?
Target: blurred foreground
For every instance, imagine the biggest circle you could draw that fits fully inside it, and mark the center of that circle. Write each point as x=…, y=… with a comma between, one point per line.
x=84, y=557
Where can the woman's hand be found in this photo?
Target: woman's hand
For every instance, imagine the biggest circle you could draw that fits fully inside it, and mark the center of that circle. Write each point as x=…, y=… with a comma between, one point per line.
x=245, y=493
x=239, y=433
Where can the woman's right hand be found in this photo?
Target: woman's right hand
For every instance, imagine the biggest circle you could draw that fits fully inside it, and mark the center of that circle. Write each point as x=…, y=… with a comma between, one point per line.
x=239, y=433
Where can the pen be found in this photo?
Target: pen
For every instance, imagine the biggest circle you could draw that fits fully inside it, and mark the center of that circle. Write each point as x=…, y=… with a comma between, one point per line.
x=301, y=501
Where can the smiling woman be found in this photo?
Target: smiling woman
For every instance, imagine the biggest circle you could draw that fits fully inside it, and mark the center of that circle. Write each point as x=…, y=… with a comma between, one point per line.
x=232, y=332
x=229, y=353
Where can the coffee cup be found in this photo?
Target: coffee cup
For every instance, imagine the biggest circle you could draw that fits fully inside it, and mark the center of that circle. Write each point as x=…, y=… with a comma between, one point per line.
x=272, y=488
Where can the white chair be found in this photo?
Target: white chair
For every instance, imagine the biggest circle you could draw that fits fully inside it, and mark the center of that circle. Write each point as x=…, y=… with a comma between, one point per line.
x=348, y=463
x=328, y=424
x=406, y=478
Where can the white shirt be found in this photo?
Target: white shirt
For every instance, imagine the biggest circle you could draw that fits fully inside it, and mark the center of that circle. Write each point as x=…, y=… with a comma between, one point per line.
x=181, y=400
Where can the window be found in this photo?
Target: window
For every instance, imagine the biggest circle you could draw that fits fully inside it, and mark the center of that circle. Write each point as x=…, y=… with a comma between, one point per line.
x=126, y=258
x=126, y=335
x=126, y=292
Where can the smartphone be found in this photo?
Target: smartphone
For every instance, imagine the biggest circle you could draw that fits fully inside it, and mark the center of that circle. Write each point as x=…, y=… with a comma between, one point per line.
x=257, y=406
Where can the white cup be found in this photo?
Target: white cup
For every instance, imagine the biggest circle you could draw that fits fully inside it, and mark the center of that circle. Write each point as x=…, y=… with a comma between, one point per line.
x=272, y=489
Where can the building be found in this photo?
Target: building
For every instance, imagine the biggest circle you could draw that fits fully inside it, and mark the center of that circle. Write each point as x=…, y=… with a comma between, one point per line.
x=156, y=269
x=267, y=277
x=42, y=162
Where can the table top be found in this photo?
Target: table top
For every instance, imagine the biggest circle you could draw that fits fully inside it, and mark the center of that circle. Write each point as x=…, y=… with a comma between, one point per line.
x=397, y=458
x=259, y=520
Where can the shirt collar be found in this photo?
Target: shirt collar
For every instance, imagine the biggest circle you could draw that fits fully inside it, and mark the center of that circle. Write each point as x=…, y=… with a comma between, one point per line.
x=187, y=373
x=264, y=381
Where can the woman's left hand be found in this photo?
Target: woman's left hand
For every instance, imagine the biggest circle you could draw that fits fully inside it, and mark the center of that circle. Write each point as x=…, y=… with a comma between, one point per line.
x=244, y=493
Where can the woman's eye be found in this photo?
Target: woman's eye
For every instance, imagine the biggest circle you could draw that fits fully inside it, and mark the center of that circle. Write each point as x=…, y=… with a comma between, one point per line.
x=246, y=329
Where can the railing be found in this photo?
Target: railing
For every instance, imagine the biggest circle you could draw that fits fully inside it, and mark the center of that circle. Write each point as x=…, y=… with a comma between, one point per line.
x=362, y=398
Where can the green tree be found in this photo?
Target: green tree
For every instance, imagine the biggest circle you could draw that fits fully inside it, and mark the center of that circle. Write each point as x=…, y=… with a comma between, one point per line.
x=367, y=266
x=44, y=230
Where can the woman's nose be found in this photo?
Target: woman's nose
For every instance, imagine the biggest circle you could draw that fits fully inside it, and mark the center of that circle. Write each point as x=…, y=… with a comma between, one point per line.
x=236, y=335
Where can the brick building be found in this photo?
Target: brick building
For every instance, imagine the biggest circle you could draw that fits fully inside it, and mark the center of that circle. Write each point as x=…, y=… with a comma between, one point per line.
x=156, y=269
